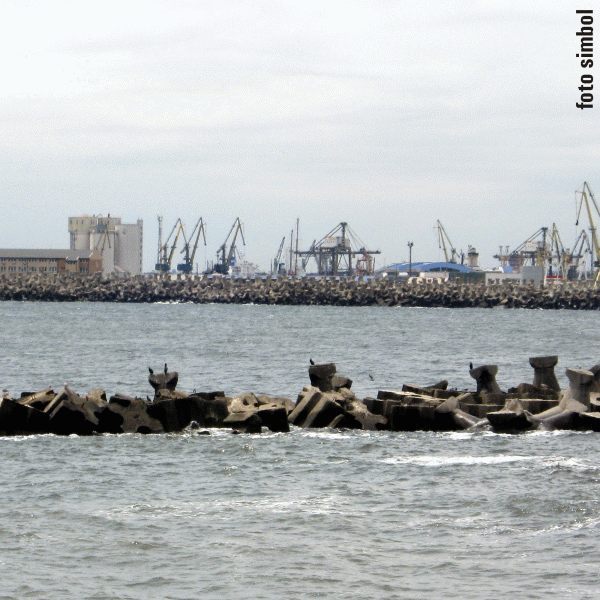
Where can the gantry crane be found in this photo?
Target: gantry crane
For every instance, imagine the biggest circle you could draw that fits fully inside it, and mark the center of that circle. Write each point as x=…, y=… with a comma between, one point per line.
x=530, y=251
x=188, y=265
x=452, y=255
x=165, y=256
x=334, y=253
x=225, y=257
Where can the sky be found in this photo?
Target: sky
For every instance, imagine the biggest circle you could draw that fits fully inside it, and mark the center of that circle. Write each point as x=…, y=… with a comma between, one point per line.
x=386, y=115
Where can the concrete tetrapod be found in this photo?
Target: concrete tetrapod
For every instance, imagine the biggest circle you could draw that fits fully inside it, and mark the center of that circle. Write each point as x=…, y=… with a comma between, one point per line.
x=543, y=367
x=576, y=400
x=163, y=381
x=485, y=375
x=321, y=376
x=595, y=387
x=512, y=418
x=458, y=418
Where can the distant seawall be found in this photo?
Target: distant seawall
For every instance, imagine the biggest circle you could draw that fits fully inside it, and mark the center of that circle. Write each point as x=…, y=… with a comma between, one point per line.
x=305, y=291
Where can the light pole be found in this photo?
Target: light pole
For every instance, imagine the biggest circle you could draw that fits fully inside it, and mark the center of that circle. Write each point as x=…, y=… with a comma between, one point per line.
x=410, y=245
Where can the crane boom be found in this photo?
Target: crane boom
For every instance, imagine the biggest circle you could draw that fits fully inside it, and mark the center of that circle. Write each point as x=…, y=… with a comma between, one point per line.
x=164, y=259
x=442, y=239
x=225, y=257
x=188, y=265
x=276, y=261
x=557, y=255
x=172, y=252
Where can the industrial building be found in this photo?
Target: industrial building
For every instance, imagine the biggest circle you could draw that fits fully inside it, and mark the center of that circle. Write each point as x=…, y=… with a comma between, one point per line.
x=426, y=269
x=119, y=244
x=50, y=261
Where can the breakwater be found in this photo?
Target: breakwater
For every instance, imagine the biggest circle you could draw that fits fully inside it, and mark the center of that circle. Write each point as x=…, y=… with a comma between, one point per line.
x=415, y=292
x=327, y=402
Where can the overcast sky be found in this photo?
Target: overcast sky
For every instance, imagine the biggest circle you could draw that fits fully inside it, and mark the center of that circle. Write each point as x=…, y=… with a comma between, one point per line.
x=388, y=115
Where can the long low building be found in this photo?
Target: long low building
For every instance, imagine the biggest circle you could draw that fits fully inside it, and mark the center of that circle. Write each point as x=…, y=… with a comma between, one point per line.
x=425, y=267
x=50, y=261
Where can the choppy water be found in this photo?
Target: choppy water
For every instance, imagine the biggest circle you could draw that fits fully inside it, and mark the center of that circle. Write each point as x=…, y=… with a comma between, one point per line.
x=309, y=514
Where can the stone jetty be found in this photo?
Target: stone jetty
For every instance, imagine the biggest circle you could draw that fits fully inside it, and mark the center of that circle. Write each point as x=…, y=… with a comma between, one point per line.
x=332, y=291
x=327, y=403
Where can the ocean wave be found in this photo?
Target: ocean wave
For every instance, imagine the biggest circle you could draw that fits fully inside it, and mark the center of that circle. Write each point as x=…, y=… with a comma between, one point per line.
x=442, y=461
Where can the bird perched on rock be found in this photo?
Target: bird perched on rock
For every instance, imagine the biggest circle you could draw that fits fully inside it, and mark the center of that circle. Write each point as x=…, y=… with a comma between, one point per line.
x=165, y=368
x=470, y=366
x=312, y=362
x=151, y=371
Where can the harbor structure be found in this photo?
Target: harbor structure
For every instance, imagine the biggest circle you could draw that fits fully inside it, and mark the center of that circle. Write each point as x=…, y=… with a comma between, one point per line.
x=166, y=251
x=437, y=270
x=21, y=261
x=340, y=253
x=119, y=244
x=226, y=258
x=545, y=249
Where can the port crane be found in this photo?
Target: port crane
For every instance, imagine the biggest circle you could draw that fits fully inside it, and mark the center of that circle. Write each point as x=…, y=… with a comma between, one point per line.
x=582, y=246
x=563, y=262
x=531, y=251
x=558, y=257
x=277, y=264
x=449, y=250
x=165, y=256
x=334, y=253
x=105, y=235
x=310, y=252
x=559, y=261
x=588, y=197
x=188, y=265
x=103, y=241
x=225, y=257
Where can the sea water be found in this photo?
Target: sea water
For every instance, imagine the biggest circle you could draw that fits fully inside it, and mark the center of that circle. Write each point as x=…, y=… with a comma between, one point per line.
x=310, y=513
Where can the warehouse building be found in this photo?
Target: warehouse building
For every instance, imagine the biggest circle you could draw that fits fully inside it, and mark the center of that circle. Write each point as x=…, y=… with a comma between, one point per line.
x=85, y=262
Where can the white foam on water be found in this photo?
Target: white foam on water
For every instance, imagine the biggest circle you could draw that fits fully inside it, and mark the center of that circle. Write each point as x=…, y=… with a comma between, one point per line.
x=319, y=505
x=441, y=461
x=575, y=464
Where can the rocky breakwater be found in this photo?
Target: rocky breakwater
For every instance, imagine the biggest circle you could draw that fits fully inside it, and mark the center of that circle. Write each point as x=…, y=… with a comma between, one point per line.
x=66, y=412
x=327, y=402
x=332, y=291
x=528, y=406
